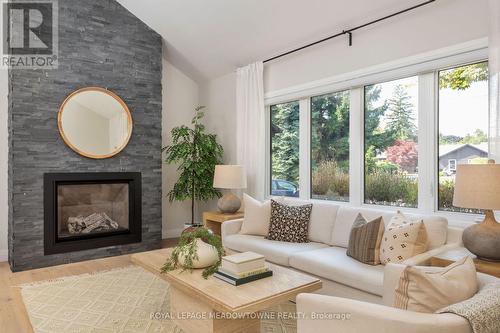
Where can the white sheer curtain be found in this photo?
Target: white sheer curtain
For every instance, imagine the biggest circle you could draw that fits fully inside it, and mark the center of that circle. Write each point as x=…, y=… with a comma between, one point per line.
x=250, y=118
x=494, y=70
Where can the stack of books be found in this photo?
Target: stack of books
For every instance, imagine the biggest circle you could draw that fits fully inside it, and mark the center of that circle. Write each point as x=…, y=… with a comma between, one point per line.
x=241, y=268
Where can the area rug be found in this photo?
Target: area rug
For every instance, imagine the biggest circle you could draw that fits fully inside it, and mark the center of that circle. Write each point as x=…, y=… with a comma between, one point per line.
x=128, y=300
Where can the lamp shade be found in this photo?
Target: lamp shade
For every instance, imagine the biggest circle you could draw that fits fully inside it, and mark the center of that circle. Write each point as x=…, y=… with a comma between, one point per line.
x=230, y=177
x=477, y=186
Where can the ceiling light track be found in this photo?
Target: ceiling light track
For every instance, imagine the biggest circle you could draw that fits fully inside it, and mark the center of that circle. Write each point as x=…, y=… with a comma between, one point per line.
x=350, y=31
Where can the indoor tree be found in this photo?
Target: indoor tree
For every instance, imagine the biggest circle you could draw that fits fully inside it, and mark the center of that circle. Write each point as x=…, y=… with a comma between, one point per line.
x=196, y=153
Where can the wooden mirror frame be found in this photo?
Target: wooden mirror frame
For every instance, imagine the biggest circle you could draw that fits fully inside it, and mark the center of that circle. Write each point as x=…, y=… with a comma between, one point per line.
x=118, y=99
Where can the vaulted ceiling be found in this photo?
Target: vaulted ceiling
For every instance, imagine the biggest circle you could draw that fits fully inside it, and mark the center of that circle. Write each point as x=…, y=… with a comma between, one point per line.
x=209, y=38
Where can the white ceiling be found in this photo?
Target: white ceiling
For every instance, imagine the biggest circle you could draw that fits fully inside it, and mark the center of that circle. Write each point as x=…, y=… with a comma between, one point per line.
x=209, y=38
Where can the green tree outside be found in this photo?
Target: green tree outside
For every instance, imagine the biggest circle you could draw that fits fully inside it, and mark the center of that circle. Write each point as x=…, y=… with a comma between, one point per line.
x=401, y=122
x=285, y=141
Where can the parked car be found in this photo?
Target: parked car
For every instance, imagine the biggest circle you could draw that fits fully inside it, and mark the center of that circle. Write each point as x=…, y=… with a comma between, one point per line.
x=281, y=187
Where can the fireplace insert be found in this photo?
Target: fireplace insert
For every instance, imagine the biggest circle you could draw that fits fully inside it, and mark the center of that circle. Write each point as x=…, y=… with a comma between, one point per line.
x=91, y=210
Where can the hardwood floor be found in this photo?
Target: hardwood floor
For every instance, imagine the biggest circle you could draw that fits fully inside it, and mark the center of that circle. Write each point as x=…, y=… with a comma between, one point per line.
x=13, y=315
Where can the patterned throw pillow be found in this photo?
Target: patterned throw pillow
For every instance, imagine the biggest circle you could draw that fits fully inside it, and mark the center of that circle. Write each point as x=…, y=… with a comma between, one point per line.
x=365, y=239
x=402, y=239
x=289, y=223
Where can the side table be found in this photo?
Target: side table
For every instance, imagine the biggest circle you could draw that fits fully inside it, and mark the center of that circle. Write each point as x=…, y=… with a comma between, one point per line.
x=213, y=220
x=446, y=258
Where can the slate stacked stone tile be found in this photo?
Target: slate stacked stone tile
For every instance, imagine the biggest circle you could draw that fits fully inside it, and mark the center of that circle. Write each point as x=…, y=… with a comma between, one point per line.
x=100, y=44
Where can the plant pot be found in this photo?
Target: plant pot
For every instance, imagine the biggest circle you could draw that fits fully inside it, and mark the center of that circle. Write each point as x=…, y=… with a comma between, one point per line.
x=207, y=255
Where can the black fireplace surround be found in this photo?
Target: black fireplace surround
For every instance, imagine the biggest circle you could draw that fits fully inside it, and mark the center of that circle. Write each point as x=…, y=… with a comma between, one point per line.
x=78, y=187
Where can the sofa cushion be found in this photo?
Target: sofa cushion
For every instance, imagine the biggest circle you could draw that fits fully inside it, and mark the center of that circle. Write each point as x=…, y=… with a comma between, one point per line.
x=323, y=216
x=332, y=263
x=274, y=251
x=345, y=219
x=436, y=226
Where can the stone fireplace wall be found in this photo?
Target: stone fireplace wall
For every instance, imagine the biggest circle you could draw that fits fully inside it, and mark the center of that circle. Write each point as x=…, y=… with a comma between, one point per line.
x=100, y=44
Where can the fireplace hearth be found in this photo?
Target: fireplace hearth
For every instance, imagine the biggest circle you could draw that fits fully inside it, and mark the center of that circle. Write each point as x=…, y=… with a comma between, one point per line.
x=91, y=210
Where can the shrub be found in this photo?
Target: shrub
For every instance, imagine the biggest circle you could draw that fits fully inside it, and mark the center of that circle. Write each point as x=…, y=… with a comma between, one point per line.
x=386, y=166
x=391, y=189
x=340, y=184
x=445, y=194
x=330, y=181
x=322, y=177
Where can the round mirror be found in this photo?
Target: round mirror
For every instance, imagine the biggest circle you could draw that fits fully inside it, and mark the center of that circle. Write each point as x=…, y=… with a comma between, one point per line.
x=95, y=122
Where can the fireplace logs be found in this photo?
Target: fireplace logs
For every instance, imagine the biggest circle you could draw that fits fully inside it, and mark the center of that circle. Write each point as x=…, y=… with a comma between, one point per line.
x=93, y=223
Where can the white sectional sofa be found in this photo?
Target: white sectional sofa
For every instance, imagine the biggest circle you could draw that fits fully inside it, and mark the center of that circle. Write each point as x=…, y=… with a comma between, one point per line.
x=325, y=255
x=376, y=318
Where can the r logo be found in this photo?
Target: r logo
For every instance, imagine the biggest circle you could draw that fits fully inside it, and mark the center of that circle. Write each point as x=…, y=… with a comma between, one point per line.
x=29, y=27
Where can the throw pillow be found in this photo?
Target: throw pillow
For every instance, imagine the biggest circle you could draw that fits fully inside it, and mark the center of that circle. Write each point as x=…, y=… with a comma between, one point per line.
x=257, y=216
x=365, y=239
x=428, y=292
x=402, y=239
x=289, y=223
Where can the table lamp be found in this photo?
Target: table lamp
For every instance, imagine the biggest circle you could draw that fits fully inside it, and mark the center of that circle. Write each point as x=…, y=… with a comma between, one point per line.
x=478, y=186
x=229, y=177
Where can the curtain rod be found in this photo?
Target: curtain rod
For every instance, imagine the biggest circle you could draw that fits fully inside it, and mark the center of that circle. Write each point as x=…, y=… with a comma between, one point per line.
x=349, y=31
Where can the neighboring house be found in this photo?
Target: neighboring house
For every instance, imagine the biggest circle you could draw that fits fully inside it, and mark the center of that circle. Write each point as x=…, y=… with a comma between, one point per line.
x=452, y=155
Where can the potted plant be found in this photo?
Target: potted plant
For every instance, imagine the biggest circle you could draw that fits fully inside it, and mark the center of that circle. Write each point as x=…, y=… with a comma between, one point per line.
x=196, y=153
x=198, y=247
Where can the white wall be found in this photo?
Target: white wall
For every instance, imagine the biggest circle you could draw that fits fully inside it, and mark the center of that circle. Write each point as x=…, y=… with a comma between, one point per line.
x=4, y=149
x=441, y=24
x=219, y=96
x=180, y=97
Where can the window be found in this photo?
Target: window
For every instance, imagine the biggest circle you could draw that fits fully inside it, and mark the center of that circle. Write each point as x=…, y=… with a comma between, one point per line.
x=452, y=165
x=330, y=146
x=391, y=143
x=395, y=143
x=463, y=125
x=285, y=149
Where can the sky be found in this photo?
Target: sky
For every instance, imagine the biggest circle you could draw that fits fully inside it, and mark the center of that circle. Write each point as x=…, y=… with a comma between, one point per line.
x=460, y=111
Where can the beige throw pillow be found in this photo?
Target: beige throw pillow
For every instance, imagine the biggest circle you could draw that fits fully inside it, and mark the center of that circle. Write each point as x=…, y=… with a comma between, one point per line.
x=402, y=239
x=365, y=239
x=257, y=216
x=428, y=292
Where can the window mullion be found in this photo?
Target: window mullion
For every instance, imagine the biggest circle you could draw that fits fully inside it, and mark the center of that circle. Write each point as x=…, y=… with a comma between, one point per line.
x=356, y=137
x=304, y=148
x=268, y=172
x=427, y=151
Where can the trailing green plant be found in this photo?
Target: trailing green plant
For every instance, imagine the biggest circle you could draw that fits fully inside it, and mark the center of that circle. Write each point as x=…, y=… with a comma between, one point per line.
x=196, y=153
x=187, y=246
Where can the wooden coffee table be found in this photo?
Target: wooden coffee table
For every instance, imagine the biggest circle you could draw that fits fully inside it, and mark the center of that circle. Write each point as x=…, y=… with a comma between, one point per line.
x=218, y=306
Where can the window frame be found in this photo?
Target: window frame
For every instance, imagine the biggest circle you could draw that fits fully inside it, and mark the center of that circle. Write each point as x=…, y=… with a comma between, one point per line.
x=428, y=107
x=454, y=164
x=419, y=137
x=310, y=185
x=269, y=145
x=464, y=219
